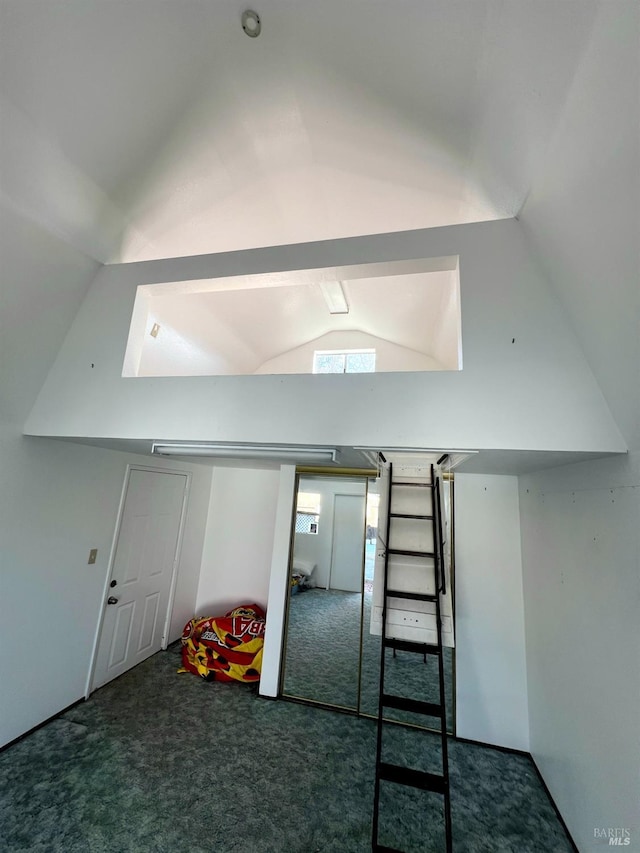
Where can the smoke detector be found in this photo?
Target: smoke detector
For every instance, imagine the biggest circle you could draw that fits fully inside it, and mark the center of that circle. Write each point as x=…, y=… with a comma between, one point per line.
x=251, y=23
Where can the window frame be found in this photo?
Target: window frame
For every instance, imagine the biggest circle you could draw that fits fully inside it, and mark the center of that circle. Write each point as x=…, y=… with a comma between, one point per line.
x=345, y=353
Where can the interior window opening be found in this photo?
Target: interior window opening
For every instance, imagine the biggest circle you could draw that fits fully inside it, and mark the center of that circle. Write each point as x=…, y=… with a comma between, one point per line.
x=401, y=316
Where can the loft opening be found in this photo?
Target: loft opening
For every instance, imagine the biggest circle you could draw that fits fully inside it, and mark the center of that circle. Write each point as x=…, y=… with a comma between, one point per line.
x=373, y=318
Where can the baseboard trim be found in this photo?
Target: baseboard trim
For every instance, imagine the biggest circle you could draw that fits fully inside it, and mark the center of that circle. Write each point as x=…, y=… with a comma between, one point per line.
x=508, y=749
x=40, y=725
x=313, y=703
x=539, y=775
x=573, y=844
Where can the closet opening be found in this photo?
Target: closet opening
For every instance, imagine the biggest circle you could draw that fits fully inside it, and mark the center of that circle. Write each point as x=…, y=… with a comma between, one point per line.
x=331, y=645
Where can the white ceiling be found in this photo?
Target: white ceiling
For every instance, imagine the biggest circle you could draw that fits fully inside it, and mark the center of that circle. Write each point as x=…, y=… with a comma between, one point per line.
x=157, y=129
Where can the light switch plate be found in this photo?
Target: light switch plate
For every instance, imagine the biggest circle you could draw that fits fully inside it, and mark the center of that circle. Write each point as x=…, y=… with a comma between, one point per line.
x=93, y=553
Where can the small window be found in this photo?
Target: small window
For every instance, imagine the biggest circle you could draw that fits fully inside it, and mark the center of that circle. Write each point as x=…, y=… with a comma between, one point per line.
x=345, y=361
x=306, y=523
x=307, y=512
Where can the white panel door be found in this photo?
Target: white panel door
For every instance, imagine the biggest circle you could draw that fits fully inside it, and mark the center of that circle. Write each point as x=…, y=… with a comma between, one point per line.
x=143, y=566
x=348, y=543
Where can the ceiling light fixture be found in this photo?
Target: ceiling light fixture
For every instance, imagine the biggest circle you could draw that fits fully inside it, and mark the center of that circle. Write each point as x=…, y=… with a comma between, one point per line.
x=272, y=452
x=251, y=23
x=334, y=297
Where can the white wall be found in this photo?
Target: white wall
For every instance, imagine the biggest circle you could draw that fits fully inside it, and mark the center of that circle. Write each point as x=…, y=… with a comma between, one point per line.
x=192, y=546
x=43, y=284
x=236, y=560
x=583, y=219
x=581, y=556
x=278, y=584
x=491, y=678
x=317, y=548
x=525, y=383
x=192, y=342
x=246, y=553
x=57, y=501
x=389, y=356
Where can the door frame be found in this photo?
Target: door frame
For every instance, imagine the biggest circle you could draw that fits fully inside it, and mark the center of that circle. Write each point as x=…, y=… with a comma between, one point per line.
x=112, y=554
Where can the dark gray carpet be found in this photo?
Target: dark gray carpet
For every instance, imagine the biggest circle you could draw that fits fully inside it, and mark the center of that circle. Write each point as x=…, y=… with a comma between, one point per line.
x=322, y=647
x=158, y=762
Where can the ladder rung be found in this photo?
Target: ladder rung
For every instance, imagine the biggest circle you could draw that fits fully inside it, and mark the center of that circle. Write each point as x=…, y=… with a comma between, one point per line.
x=411, y=553
x=411, y=596
x=429, y=709
x=408, y=515
x=412, y=778
x=408, y=646
x=424, y=560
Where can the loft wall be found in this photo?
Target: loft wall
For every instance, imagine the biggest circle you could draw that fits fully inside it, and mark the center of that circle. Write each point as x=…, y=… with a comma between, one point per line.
x=581, y=563
x=57, y=499
x=525, y=383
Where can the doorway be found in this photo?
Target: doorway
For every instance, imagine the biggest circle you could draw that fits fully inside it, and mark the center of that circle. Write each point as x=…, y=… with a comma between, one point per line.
x=138, y=601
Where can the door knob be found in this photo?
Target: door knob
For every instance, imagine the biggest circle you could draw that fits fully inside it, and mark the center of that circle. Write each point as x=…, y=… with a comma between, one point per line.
x=112, y=600
x=113, y=583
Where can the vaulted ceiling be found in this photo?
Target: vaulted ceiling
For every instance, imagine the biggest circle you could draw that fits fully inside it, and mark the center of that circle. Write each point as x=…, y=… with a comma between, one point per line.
x=134, y=130
x=145, y=129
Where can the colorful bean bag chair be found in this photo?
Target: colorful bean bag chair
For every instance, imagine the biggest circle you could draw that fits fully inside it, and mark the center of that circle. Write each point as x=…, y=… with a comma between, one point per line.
x=225, y=648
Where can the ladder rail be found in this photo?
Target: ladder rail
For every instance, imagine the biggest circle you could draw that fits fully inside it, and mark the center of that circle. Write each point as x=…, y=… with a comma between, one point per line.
x=438, y=544
x=439, y=550
x=384, y=770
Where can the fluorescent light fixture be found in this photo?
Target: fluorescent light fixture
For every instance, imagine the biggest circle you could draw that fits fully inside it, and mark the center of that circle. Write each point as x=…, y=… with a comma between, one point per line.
x=273, y=452
x=334, y=297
